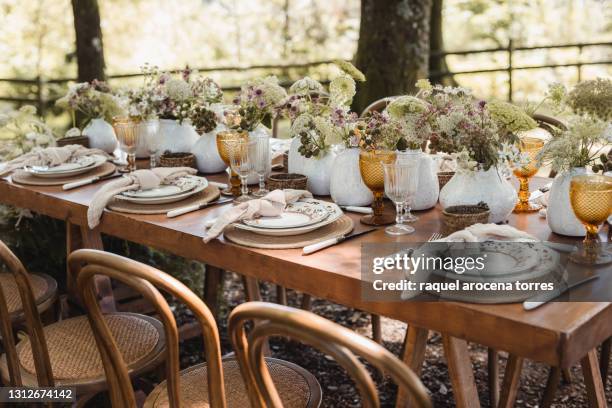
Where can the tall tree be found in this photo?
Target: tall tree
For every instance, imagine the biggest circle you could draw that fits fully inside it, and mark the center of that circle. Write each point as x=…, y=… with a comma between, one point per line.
x=437, y=62
x=89, y=50
x=393, y=48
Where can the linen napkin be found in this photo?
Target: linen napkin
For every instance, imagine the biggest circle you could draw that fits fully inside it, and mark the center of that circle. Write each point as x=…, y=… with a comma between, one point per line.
x=139, y=179
x=483, y=232
x=50, y=156
x=271, y=205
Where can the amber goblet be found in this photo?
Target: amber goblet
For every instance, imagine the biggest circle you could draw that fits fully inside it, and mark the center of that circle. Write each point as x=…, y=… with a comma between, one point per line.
x=125, y=130
x=225, y=140
x=373, y=176
x=530, y=146
x=591, y=199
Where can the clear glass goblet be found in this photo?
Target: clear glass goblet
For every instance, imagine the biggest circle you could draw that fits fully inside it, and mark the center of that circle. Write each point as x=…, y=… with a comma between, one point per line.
x=261, y=159
x=397, y=188
x=241, y=161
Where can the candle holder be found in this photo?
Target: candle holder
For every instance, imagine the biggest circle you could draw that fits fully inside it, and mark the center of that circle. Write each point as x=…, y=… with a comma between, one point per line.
x=591, y=199
x=373, y=176
x=531, y=147
x=224, y=143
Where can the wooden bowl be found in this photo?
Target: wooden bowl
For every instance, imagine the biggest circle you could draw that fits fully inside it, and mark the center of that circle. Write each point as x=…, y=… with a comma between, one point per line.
x=287, y=180
x=177, y=160
x=458, y=217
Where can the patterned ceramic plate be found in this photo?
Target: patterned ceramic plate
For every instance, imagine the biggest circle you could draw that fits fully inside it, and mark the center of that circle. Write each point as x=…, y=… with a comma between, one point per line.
x=200, y=184
x=81, y=165
x=295, y=215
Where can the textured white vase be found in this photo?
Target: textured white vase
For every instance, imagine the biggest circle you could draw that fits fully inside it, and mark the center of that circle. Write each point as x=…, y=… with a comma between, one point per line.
x=101, y=135
x=318, y=170
x=346, y=186
x=427, y=186
x=175, y=137
x=296, y=160
x=559, y=214
x=472, y=187
x=206, y=153
x=147, y=132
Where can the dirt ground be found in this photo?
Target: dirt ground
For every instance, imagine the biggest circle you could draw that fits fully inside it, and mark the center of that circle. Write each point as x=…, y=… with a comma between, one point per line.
x=338, y=389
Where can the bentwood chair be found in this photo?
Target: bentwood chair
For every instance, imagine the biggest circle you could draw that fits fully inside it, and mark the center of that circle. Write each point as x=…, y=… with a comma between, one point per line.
x=344, y=345
x=64, y=353
x=216, y=383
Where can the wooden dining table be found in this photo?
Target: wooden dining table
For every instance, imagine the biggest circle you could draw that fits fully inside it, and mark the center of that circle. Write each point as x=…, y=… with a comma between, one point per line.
x=559, y=334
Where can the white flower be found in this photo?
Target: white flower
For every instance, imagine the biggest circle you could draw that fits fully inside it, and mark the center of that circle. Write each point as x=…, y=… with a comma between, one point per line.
x=301, y=124
x=28, y=110
x=305, y=86
x=73, y=132
x=342, y=90
x=406, y=105
x=178, y=89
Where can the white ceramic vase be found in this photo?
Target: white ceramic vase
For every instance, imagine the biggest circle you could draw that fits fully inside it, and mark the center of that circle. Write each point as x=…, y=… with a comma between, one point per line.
x=318, y=170
x=427, y=186
x=559, y=214
x=346, y=186
x=147, y=132
x=206, y=153
x=175, y=137
x=296, y=160
x=472, y=187
x=101, y=135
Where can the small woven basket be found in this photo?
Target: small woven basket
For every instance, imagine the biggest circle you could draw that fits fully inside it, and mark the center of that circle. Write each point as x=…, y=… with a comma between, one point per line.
x=444, y=177
x=458, y=217
x=177, y=160
x=73, y=140
x=287, y=180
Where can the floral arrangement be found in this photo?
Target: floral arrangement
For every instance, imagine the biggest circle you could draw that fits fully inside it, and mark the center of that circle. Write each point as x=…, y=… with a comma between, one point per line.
x=93, y=99
x=322, y=118
x=589, y=131
x=256, y=100
x=21, y=131
x=477, y=133
x=383, y=131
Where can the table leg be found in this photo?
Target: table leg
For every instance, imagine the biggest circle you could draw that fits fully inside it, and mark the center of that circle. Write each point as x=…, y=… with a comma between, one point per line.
x=592, y=379
x=512, y=379
x=251, y=289
x=461, y=372
x=413, y=355
x=604, y=360
x=306, y=302
x=376, y=328
x=212, y=286
x=493, y=376
x=281, y=295
x=554, y=378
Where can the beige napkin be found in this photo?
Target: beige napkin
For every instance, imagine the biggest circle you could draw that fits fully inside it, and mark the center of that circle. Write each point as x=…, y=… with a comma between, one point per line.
x=50, y=156
x=483, y=232
x=139, y=179
x=271, y=205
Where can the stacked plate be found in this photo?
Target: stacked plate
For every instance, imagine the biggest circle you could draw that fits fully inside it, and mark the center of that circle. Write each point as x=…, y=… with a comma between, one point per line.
x=298, y=218
x=78, y=166
x=183, y=188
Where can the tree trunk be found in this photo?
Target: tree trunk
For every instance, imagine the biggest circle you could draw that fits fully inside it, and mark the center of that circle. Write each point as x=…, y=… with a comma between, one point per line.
x=437, y=63
x=89, y=51
x=393, y=48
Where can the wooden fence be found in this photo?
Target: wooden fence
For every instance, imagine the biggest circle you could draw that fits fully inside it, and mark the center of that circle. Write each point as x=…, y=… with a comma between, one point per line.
x=39, y=86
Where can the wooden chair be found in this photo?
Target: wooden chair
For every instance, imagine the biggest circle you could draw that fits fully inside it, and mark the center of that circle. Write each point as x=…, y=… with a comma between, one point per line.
x=378, y=105
x=64, y=353
x=334, y=340
x=187, y=387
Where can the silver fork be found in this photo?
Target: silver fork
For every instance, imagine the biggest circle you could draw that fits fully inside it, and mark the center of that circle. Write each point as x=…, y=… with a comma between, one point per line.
x=435, y=236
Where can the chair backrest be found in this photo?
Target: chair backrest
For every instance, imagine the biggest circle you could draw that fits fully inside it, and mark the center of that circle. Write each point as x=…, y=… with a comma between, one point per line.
x=341, y=343
x=85, y=264
x=34, y=327
x=378, y=105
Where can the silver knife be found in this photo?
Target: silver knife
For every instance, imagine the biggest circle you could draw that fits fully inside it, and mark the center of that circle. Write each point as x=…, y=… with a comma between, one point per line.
x=309, y=249
x=196, y=207
x=91, y=180
x=540, y=299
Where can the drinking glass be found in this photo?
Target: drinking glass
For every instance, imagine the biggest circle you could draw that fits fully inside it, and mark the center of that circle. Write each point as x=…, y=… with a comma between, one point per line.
x=241, y=154
x=373, y=176
x=261, y=158
x=224, y=140
x=591, y=199
x=531, y=147
x=412, y=159
x=125, y=129
x=397, y=188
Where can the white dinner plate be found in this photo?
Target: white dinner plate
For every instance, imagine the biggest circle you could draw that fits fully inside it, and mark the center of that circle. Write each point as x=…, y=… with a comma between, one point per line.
x=334, y=213
x=294, y=215
x=183, y=185
x=82, y=165
x=202, y=183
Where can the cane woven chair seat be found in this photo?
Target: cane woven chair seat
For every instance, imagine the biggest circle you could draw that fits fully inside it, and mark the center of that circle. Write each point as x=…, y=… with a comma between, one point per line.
x=293, y=383
x=44, y=289
x=75, y=357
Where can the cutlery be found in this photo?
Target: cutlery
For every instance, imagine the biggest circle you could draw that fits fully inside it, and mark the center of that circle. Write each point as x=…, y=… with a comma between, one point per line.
x=75, y=184
x=195, y=207
x=434, y=237
x=355, y=209
x=540, y=299
x=222, y=186
x=309, y=249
